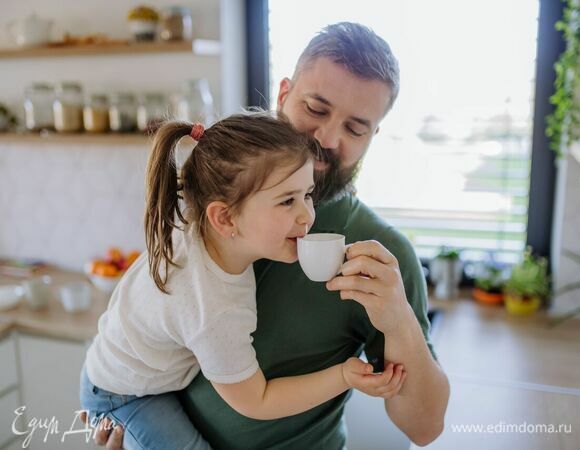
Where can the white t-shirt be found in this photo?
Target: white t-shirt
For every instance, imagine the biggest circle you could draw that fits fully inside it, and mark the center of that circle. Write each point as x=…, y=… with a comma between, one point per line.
x=150, y=342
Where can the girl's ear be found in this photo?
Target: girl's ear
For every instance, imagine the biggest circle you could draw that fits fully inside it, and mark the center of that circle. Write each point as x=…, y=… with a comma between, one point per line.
x=219, y=216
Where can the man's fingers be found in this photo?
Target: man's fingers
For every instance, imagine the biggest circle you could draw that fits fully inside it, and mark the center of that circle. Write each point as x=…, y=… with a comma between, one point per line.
x=115, y=441
x=373, y=249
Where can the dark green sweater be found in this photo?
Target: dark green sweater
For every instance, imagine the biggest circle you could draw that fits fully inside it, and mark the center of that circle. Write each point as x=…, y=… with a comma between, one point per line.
x=303, y=328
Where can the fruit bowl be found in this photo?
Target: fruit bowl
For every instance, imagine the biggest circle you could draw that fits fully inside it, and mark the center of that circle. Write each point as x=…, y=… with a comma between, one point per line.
x=106, y=273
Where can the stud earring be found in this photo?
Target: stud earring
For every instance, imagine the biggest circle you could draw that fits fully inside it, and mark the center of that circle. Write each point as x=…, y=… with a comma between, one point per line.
x=233, y=235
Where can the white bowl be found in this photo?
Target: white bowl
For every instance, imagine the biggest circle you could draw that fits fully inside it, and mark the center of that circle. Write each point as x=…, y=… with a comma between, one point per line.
x=10, y=296
x=104, y=284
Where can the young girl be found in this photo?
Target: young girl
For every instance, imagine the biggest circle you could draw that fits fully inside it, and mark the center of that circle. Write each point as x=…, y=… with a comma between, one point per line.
x=242, y=193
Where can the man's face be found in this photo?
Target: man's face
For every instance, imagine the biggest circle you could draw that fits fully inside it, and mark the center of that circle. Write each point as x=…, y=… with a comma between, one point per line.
x=341, y=111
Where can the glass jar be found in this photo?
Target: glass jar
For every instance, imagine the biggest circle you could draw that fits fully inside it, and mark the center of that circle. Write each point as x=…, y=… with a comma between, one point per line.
x=38, y=99
x=195, y=104
x=152, y=110
x=123, y=112
x=176, y=24
x=68, y=107
x=96, y=114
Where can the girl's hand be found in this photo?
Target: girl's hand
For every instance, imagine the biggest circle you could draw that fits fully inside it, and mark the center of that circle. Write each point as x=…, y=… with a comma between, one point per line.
x=387, y=384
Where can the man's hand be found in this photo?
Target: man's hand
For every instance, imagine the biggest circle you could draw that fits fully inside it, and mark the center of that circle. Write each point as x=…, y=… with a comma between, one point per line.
x=371, y=277
x=106, y=434
x=358, y=375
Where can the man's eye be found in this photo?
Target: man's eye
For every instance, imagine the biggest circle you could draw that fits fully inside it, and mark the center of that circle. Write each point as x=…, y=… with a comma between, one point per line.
x=314, y=111
x=353, y=132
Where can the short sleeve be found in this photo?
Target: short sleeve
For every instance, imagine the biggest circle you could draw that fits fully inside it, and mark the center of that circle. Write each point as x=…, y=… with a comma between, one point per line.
x=223, y=348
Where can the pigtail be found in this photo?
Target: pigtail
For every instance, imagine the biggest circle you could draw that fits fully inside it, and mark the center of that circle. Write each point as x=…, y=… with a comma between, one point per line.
x=162, y=200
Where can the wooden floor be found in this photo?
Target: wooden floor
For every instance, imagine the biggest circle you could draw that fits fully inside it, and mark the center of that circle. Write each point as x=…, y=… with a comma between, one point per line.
x=511, y=378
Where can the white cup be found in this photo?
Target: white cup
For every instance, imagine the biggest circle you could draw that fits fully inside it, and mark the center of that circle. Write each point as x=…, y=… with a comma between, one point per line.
x=321, y=255
x=37, y=291
x=76, y=296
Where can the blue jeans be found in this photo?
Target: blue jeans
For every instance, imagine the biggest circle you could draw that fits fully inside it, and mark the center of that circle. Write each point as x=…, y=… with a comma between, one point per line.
x=150, y=422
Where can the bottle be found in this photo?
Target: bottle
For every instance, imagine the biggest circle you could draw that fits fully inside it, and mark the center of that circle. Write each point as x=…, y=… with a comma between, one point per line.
x=195, y=104
x=38, y=100
x=68, y=107
x=96, y=114
x=123, y=112
x=176, y=24
x=152, y=110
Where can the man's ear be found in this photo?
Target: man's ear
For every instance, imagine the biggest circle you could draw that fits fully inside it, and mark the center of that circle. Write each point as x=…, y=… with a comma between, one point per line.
x=219, y=217
x=285, y=86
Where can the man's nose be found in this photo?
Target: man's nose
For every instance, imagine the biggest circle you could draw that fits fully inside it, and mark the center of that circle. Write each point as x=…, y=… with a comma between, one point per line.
x=327, y=135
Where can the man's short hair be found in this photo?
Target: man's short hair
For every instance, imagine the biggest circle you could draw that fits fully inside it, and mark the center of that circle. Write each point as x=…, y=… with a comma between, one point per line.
x=357, y=48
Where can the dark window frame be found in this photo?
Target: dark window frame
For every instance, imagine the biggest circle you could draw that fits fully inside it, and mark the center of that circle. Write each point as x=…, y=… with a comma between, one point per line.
x=543, y=171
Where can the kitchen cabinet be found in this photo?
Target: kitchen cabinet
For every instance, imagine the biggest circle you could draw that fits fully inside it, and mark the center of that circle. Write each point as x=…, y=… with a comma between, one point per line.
x=50, y=390
x=10, y=394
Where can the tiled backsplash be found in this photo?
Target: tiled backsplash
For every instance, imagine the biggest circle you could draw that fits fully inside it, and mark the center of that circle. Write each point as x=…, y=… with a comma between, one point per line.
x=67, y=204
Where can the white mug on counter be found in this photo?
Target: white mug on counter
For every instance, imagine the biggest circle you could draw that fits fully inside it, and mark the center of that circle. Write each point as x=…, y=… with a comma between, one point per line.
x=321, y=255
x=76, y=296
x=37, y=291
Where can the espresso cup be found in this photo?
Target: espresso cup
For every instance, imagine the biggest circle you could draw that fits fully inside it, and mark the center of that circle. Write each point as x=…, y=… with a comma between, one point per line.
x=321, y=255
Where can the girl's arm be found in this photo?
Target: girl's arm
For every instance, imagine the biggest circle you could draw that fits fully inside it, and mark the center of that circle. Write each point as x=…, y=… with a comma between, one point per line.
x=260, y=399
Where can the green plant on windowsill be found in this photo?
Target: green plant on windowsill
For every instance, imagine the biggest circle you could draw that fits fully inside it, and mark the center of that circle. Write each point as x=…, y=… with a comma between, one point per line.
x=563, y=125
x=489, y=283
x=528, y=285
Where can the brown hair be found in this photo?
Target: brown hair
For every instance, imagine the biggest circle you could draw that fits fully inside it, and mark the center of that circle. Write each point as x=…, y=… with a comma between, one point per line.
x=230, y=162
x=359, y=49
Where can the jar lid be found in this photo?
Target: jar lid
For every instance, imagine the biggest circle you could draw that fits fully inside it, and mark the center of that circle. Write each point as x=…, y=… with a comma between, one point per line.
x=69, y=86
x=154, y=96
x=98, y=98
x=177, y=10
x=40, y=87
x=123, y=96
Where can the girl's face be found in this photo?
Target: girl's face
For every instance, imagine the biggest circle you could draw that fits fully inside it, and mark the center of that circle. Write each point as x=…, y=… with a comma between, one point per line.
x=272, y=218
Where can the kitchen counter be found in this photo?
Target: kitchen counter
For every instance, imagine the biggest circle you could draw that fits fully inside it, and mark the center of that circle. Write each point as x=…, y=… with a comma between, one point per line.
x=54, y=321
x=507, y=371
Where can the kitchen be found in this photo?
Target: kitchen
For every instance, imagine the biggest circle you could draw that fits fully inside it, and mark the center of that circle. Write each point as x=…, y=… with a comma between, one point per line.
x=66, y=199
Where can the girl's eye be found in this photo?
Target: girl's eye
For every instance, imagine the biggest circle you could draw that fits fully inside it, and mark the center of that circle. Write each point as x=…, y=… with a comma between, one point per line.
x=308, y=196
x=314, y=111
x=287, y=202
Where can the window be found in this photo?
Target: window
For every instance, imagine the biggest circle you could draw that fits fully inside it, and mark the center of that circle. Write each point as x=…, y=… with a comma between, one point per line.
x=451, y=163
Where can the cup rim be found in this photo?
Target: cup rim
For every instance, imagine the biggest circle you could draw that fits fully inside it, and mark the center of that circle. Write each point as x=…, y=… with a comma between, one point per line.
x=322, y=237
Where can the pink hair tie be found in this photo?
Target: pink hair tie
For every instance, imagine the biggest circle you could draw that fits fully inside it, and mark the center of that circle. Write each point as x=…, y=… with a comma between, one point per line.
x=197, y=131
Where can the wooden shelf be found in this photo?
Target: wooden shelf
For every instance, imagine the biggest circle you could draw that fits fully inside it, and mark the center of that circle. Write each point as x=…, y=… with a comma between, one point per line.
x=76, y=138
x=199, y=47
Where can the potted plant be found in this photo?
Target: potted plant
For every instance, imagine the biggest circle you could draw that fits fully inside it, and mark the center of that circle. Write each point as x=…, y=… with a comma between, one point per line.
x=528, y=285
x=445, y=271
x=489, y=283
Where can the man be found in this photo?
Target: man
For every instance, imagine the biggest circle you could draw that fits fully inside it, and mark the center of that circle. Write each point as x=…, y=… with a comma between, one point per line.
x=345, y=82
